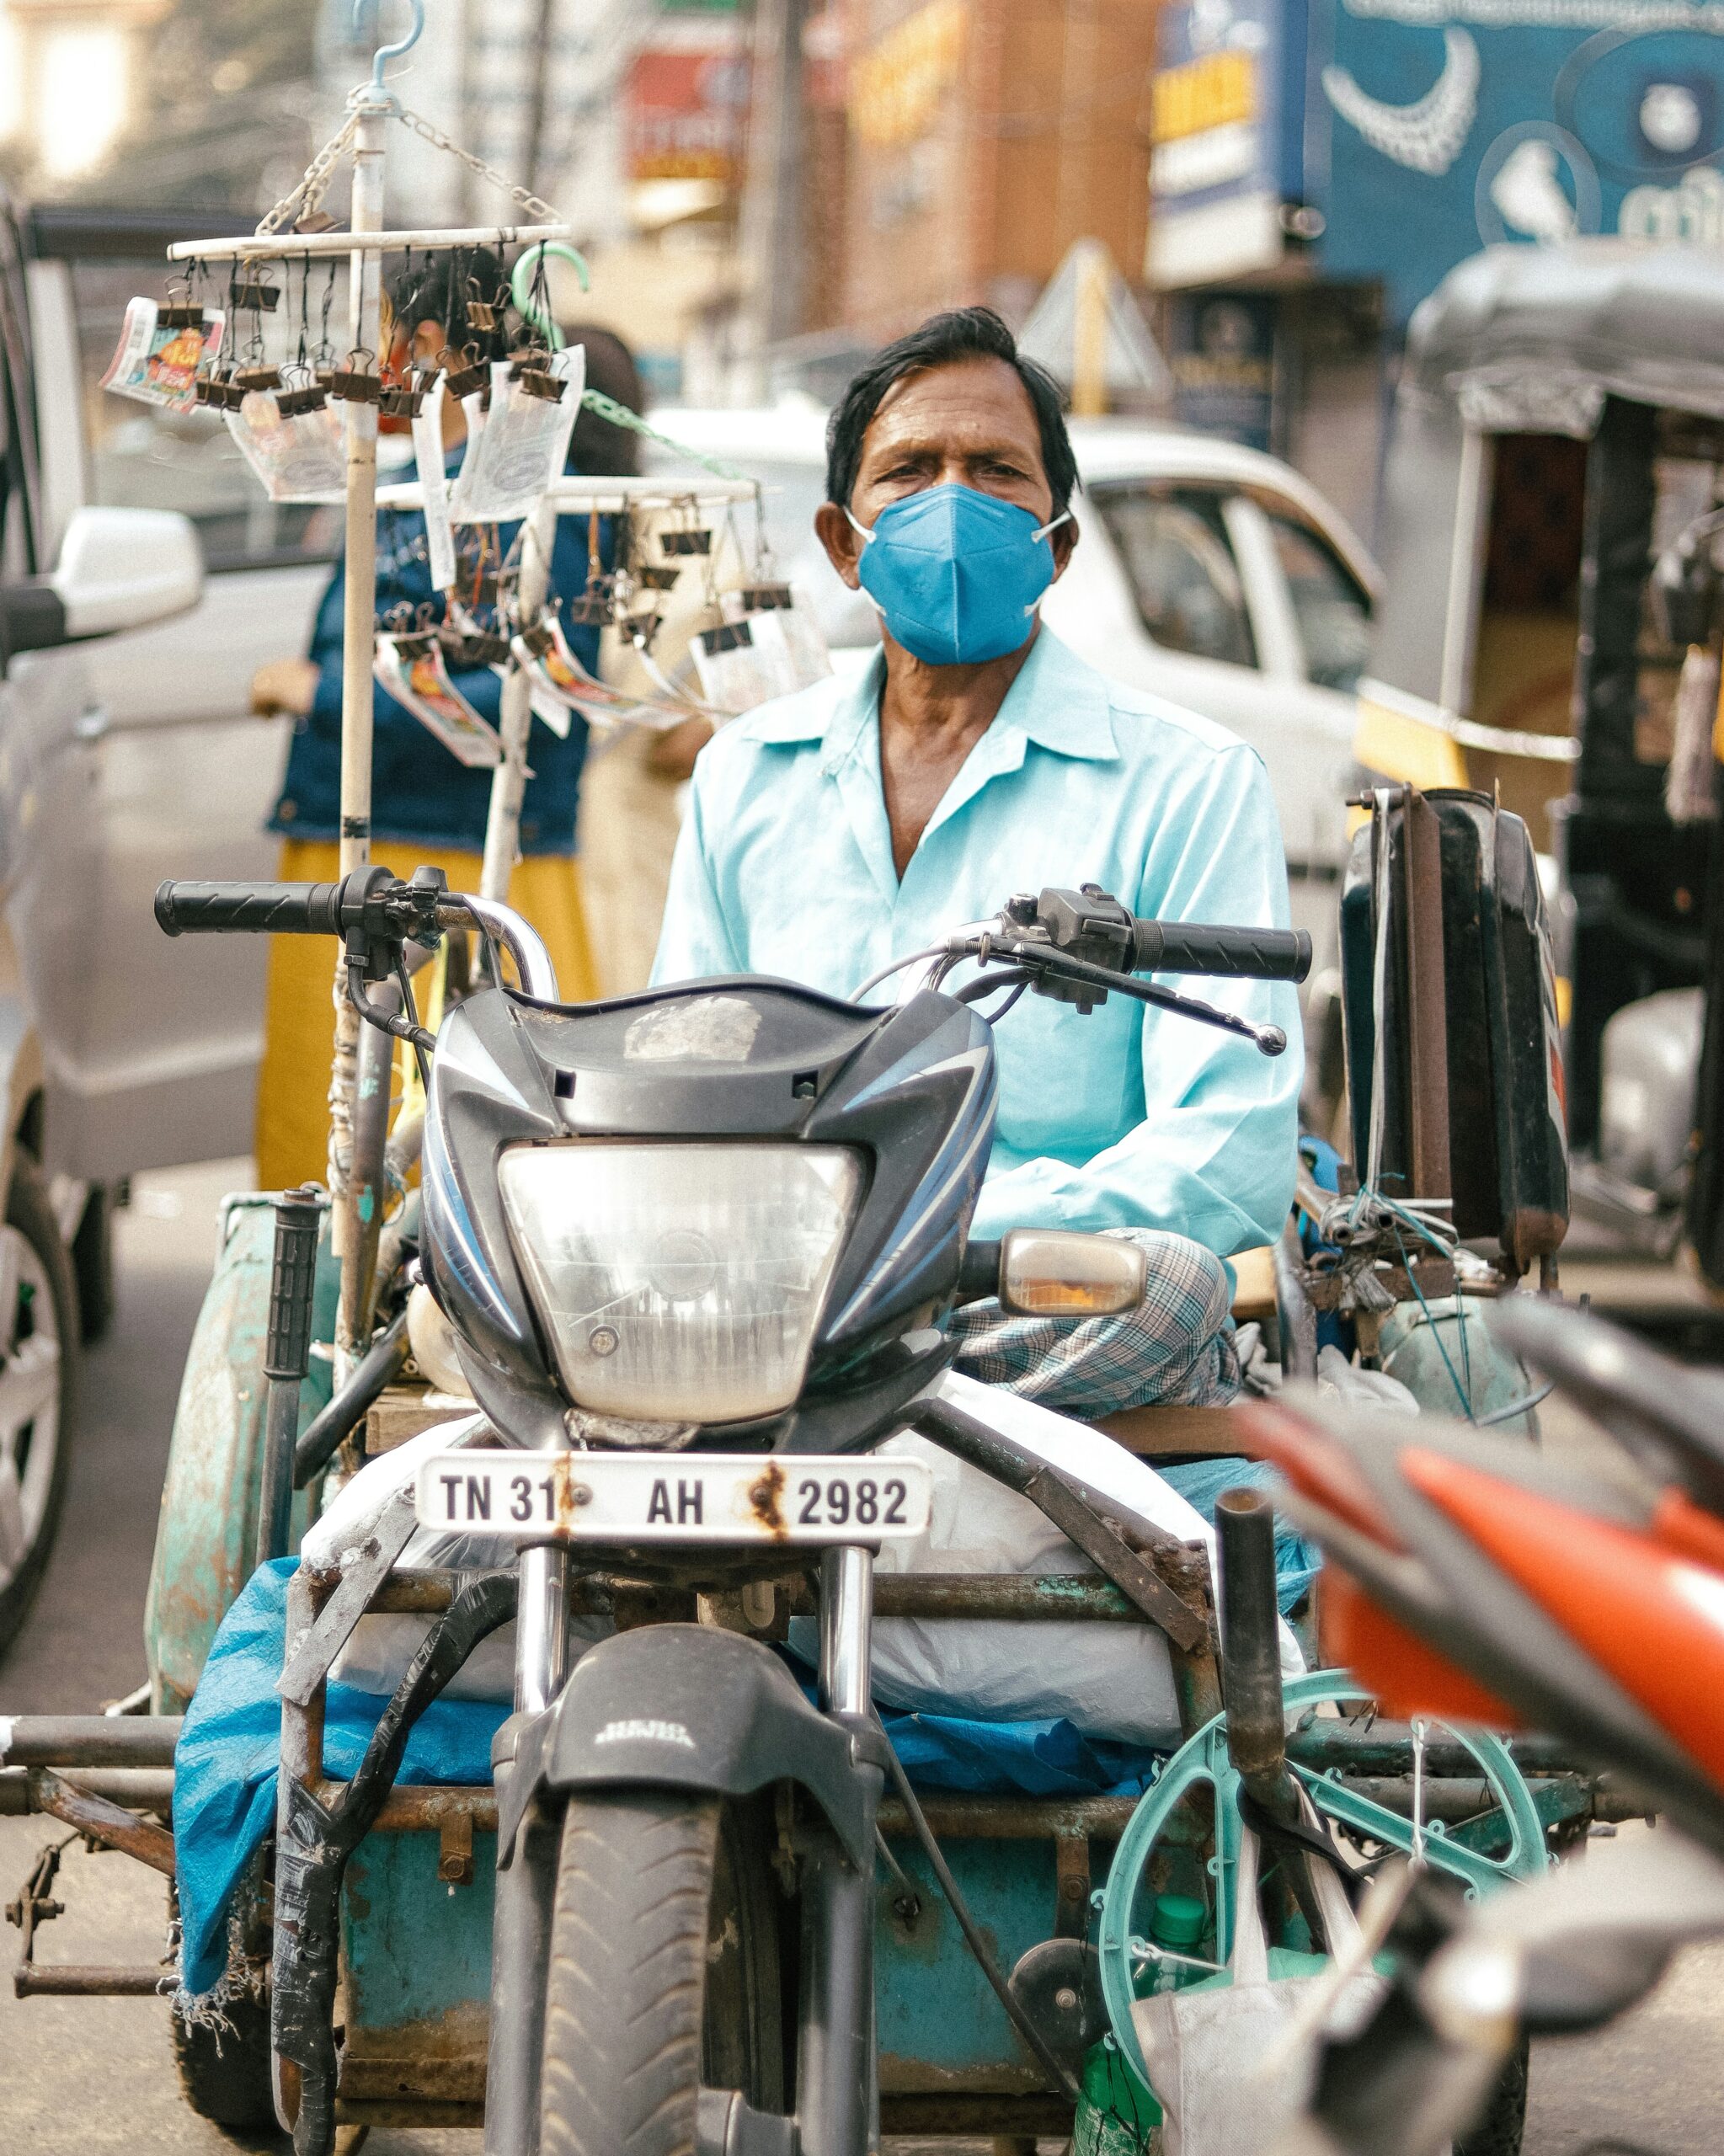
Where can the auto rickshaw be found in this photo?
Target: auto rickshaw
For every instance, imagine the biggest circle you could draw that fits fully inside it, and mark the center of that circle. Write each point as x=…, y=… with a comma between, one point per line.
x=1554, y=473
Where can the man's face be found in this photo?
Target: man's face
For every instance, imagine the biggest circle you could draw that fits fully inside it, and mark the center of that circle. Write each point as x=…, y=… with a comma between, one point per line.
x=971, y=424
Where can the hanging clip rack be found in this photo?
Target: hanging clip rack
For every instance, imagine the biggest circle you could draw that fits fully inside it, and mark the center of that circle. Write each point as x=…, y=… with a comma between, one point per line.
x=290, y=229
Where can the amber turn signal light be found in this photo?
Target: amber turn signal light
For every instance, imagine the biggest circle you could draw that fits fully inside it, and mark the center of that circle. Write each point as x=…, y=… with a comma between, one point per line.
x=1055, y=1272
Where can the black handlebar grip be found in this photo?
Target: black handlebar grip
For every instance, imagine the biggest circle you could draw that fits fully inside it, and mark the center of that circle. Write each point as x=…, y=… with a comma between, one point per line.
x=1185, y=947
x=248, y=909
x=299, y=1215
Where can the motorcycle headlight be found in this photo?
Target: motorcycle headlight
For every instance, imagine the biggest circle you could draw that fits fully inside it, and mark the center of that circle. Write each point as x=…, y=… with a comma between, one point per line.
x=679, y=1283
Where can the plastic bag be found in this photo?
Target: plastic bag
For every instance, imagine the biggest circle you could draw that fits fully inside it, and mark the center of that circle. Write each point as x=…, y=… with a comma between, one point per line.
x=1227, y=2084
x=157, y=362
x=433, y=480
x=736, y=672
x=519, y=450
x=412, y=669
x=301, y=458
x=785, y=628
x=558, y=681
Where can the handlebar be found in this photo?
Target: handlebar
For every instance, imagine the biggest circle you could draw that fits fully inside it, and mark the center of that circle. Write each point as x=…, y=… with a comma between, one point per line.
x=250, y=910
x=372, y=909
x=1176, y=947
x=1075, y=946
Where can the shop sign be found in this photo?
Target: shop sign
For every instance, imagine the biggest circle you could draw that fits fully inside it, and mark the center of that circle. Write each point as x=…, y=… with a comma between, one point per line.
x=897, y=86
x=686, y=104
x=1222, y=353
x=1444, y=128
x=1217, y=134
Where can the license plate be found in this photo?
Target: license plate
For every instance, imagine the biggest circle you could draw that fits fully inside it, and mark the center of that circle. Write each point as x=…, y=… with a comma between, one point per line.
x=704, y=1497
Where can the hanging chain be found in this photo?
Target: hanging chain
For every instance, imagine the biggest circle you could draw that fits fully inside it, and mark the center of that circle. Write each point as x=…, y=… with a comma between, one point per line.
x=541, y=211
x=311, y=189
x=619, y=415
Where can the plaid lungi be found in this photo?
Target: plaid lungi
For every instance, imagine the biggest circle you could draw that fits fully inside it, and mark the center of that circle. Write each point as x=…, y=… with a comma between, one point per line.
x=1171, y=1351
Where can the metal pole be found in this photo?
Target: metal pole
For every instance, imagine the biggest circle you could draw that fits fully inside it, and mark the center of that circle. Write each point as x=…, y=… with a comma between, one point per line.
x=542, y=1626
x=516, y=716
x=363, y=334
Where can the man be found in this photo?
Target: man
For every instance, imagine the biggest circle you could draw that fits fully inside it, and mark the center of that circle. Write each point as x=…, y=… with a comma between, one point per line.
x=856, y=821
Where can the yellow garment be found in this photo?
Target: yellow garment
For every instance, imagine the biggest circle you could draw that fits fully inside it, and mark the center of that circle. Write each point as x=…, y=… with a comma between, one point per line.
x=299, y=1018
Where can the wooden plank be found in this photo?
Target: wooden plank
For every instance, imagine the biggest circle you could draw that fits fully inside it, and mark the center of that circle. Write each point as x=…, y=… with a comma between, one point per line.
x=403, y=1411
x=1157, y=1432
x=1254, y=1289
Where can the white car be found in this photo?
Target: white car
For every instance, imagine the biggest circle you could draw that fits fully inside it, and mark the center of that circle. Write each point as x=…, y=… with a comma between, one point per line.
x=1206, y=572
x=142, y=580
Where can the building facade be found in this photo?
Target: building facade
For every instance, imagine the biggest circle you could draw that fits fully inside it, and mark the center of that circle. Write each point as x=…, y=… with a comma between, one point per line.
x=1316, y=169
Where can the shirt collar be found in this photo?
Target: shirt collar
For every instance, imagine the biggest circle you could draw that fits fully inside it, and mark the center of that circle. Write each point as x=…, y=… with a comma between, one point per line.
x=1058, y=702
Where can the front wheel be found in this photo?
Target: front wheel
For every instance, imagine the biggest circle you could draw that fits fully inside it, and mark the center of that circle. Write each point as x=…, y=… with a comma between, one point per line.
x=664, y=1972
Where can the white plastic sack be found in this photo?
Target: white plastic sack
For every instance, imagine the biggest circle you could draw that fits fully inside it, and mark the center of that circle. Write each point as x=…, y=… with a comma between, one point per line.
x=1107, y=1680
x=375, y=1659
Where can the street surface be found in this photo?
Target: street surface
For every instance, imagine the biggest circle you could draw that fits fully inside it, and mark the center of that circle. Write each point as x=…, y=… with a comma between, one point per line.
x=81, y=2077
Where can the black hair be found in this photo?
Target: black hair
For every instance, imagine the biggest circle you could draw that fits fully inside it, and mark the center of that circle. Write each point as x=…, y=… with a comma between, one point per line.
x=436, y=288
x=598, y=445
x=965, y=333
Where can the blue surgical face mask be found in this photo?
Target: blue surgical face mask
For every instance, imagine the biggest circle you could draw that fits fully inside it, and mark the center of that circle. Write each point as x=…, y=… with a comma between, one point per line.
x=956, y=574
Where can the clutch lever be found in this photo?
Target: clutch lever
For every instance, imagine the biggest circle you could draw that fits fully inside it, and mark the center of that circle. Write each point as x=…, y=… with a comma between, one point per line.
x=1041, y=957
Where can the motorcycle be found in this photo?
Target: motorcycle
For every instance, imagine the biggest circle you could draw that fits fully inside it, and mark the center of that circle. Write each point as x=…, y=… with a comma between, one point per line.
x=686, y=1249
x=1483, y=1583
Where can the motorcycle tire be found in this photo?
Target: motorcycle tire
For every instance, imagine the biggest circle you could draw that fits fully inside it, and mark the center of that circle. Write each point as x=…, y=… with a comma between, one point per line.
x=29, y=1214
x=1500, y=2131
x=224, y=2074
x=664, y=1972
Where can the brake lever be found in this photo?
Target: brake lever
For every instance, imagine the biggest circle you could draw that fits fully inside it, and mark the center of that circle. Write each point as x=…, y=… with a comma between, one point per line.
x=1041, y=957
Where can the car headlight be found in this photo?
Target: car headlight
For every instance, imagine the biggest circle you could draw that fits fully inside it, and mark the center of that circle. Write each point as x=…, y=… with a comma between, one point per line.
x=679, y=1283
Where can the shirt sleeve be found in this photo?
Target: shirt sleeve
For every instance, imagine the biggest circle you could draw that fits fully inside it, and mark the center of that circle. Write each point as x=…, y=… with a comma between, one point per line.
x=695, y=940
x=1215, y=1154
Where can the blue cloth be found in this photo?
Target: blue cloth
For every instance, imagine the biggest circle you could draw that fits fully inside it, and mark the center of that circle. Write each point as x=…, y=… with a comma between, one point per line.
x=1130, y=1117
x=225, y=1762
x=1201, y=1481
x=420, y=795
x=230, y=1746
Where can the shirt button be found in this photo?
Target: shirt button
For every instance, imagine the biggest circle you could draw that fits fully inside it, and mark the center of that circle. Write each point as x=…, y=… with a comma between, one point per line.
x=287, y=811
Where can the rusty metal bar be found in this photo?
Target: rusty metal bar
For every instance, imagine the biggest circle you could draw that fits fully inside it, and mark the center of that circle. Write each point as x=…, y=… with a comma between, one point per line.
x=1385, y=1748
x=939, y=2115
x=140, y=1789
x=102, y=1821
x=1058, y=1596
x=88, y=1740
x=1019, y=1818
x=381, y=2112
x=424, y=1811
x=41, y=1980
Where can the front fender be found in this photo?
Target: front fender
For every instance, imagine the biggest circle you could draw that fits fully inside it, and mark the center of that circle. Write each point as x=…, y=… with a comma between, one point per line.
x=688, y=1706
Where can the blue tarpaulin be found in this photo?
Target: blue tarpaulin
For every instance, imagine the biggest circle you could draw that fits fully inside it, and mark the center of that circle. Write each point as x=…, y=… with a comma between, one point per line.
x=225, y=1764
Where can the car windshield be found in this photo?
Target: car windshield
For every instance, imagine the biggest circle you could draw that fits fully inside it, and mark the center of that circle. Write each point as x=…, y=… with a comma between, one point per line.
x=1333, y=612
x=793, y=491
x=1174, y=544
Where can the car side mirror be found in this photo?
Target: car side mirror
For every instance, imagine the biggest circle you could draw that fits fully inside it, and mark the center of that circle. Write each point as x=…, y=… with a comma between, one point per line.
x=118, y=569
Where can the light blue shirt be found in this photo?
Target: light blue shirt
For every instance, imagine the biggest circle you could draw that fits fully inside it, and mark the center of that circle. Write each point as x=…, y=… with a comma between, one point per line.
x=1129, y=1117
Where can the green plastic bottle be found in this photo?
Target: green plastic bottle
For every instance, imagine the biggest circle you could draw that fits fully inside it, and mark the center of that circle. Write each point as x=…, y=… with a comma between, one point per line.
x=1114, y=2117
x=1178, y=1923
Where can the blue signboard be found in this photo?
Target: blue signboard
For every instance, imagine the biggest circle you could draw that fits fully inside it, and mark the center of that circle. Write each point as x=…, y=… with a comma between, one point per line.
x=1437, y=127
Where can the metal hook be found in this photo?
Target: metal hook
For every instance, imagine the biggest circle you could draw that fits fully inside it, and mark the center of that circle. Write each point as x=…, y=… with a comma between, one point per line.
x=386, y=52
x=527, y=266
